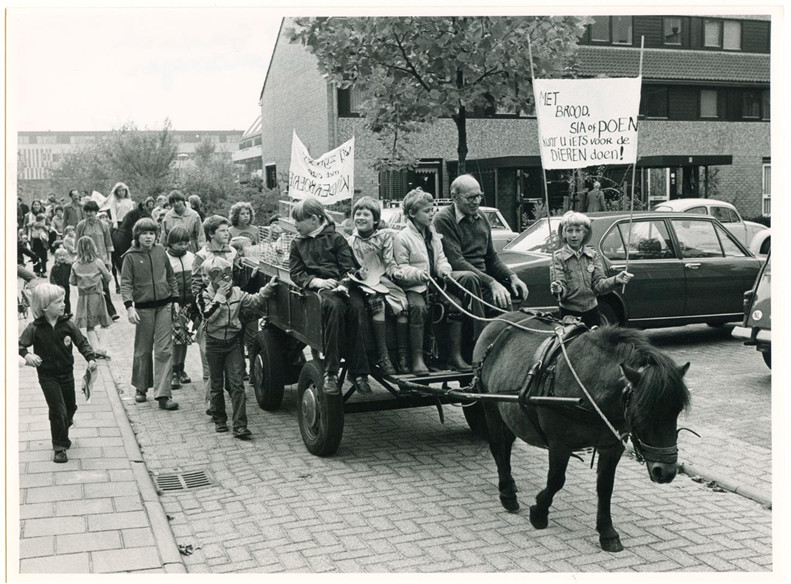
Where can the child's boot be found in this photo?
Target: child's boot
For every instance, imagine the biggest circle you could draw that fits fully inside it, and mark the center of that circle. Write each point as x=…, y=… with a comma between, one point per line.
x=455, y=360
x=416, y=343
x=175, y=379
x=380, y=335
x=402, y=335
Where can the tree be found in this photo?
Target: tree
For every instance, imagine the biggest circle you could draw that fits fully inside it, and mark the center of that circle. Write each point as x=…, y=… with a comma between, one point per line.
x=143, y=159
x=414, y=70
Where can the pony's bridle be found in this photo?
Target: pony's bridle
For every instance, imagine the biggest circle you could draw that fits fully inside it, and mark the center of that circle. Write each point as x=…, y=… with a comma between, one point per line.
x=644, y=452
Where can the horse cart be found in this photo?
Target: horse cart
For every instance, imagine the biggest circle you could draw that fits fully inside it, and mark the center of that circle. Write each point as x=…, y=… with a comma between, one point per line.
x=291, y=323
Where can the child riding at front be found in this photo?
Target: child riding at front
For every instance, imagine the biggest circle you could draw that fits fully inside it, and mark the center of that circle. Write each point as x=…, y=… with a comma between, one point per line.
x=373, y=250
x=577, y=274
x=222, y=302
x=52, y=335
x=419, y=255
x=320, y=259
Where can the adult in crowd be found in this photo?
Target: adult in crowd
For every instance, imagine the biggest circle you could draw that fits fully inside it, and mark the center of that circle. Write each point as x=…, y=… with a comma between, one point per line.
x=21, y=211
x=99, y=232
x=467, y=242
x=150, y=203
x=594, y=200
x=181, y=214
x=118, y=204
x=242, y=222
x=36, y=209
x=197, y=206
x=161, y=207
x=49, y=205
x=122, y=235
x=72, y=211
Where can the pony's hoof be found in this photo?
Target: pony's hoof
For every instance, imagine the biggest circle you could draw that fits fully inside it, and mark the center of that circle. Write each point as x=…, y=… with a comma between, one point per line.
x=611, y=544
x=538, y=519
x=510, y=504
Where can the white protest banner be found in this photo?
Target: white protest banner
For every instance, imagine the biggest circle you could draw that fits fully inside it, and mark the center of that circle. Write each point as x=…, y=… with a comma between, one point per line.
x=329, y=178
x=587, y=122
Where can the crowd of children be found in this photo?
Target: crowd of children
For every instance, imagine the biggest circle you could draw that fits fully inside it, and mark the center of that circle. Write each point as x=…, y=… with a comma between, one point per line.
x=174, y=297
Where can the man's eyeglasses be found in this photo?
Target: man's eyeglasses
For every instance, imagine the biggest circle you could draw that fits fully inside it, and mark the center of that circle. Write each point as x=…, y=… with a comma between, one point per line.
x=472, y=198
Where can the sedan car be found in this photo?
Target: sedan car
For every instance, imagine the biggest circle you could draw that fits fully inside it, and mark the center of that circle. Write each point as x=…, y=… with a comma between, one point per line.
x=501, y=232
x=754, y=235
x=687, y=268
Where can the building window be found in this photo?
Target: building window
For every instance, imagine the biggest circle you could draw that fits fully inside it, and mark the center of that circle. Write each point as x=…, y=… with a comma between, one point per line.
x=63, y=139
x=732, y=35
x=708, y=103
x=712, y=33
x=46, y=139
x=765, y=104
x=751, y=105
x=622, y=30
x=672, y=30
x=653, y=103
x=349, y=100
x=766, y=191
x=271, y=176
x=600, y=29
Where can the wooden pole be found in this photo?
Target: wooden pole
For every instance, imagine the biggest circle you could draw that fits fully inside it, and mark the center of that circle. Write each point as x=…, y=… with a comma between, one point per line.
x=634, y=169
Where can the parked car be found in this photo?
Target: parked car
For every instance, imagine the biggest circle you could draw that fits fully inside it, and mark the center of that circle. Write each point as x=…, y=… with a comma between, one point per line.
x=755, y=236
x=687, y=268
x=756, y=329
x=501, y=232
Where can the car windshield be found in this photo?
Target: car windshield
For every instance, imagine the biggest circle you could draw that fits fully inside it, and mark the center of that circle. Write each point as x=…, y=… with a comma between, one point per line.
x=537, y=238
x=494, y=219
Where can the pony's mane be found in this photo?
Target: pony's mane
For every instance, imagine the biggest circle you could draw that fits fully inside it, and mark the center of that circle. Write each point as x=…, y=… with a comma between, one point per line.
x=661, y=389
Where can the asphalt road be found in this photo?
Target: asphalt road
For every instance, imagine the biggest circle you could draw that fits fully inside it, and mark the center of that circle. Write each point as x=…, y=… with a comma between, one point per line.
x=405, y=493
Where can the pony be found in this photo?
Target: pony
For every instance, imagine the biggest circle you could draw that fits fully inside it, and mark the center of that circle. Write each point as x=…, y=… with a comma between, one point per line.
x=638, y=389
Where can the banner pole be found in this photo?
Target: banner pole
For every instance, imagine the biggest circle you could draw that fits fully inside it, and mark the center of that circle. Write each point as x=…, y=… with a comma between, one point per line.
x=543, y=173
x=634, y=170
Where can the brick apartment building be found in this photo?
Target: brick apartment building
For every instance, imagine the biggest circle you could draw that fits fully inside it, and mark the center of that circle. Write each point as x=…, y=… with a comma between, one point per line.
x=704, y=118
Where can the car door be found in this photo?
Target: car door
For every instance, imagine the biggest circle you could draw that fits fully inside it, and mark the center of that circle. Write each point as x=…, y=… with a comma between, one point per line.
x=658, y=288
x=717, y=269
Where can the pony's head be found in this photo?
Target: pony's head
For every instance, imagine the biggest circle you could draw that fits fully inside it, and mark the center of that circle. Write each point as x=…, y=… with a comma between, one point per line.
x=654, y=395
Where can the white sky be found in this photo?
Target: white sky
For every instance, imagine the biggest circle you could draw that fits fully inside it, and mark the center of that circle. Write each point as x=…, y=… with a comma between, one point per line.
x=97, y=68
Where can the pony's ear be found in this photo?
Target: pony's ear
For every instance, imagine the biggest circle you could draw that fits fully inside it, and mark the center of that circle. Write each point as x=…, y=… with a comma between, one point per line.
x=633, y=375
x=683, y=369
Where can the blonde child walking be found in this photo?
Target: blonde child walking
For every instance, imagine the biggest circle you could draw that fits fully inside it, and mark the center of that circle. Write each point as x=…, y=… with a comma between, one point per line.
x=90, y=275
x=53, y=335
x=578, y=273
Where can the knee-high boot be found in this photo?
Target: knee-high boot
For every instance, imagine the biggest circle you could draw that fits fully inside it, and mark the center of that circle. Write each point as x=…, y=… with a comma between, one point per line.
x=455, y=360
x=402, y=335
x=379, y=329
x=416, y=344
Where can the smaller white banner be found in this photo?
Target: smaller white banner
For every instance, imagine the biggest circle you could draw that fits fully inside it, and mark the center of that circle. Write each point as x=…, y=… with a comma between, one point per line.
x=329, y=178
x=587, y=122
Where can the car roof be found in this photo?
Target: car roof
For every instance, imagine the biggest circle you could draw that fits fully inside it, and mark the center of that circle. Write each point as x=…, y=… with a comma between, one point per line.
x=686, y=203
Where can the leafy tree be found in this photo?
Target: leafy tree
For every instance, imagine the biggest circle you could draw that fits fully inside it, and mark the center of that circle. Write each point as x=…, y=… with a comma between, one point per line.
x=414, y=70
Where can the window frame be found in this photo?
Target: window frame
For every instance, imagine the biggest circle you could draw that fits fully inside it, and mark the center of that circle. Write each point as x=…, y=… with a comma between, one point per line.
x=716, y=115
x=610, y=27
x=766, y=189
x=680, y=33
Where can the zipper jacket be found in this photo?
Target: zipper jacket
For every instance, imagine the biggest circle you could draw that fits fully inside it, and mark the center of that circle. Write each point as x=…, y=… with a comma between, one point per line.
x=147, y=280
x=581, y=276
x=221, y=317
x=182, y=270
x=54, y=344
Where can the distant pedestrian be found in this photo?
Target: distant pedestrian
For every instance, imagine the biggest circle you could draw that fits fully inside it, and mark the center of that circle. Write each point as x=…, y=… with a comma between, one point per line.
x=594, y=200
x=118, y=203
x=242, y=219
x=36, y=209
x=149, y=292
x=72, y=211
x=197, y=206
x=181, y=260
x=61, y=273
x=39, y=243
x=90, y=275
x=70, y=243
x=52, y=336
x=181, y=214
x=99, y=232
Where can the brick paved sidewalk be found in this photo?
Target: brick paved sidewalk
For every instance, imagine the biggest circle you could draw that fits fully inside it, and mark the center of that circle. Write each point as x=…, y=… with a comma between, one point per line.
x=97, y=513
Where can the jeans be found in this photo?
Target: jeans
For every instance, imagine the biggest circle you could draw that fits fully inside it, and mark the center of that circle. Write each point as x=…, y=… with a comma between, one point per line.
x=590, y=318
x=59, y=393
x=226, y=369
x=153, y=334
x=344, y=321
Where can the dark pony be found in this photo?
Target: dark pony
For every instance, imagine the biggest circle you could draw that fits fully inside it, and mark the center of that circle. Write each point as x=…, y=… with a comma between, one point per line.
x=639, y=390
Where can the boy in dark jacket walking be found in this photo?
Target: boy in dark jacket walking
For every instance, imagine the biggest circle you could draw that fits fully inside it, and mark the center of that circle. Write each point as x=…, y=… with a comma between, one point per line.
x=148, y=289
x=221, y=303
x=52, y=335
x=59, y=274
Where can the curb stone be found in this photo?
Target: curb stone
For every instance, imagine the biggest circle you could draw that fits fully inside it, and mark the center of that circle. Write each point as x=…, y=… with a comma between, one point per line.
x=164, y=540
x=727, y=483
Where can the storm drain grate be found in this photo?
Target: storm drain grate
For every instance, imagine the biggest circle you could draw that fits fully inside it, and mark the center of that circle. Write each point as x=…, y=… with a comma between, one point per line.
x=182, y=481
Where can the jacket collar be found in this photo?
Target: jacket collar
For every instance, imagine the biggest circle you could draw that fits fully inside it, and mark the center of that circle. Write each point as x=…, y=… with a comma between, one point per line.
x=566, y=252
x=42, y=320
x=325, y=229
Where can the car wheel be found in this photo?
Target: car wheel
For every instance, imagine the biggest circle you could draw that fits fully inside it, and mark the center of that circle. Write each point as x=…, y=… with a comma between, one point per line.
x=608, y=314
x=767, y=355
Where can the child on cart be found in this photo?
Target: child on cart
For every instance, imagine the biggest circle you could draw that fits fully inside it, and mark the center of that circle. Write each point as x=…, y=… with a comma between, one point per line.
x=222, y=302
x=577, y=272
x=320, y=259
x=373, y=250
x=419, y=255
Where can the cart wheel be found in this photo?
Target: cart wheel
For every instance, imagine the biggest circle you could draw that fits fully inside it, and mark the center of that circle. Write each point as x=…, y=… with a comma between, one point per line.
x=320, y=415
x=767, y=355
x=268, y=373
x=476, y=420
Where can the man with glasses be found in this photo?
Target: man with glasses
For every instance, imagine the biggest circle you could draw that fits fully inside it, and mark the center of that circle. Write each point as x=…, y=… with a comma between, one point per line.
x=467, y=242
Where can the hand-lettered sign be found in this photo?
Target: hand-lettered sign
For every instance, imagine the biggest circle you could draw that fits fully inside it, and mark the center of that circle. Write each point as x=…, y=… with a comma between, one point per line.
x=329, y=178
x=587, y=122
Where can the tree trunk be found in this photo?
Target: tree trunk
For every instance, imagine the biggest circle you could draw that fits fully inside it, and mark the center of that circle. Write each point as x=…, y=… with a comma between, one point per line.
x=461, y=149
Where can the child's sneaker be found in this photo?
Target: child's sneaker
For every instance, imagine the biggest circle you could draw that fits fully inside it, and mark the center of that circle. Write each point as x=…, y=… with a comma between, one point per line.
x=220, y=428
x=174, y=382
x=184, y=378
x=242, y=433
x=60, y=456
x=140, y=396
